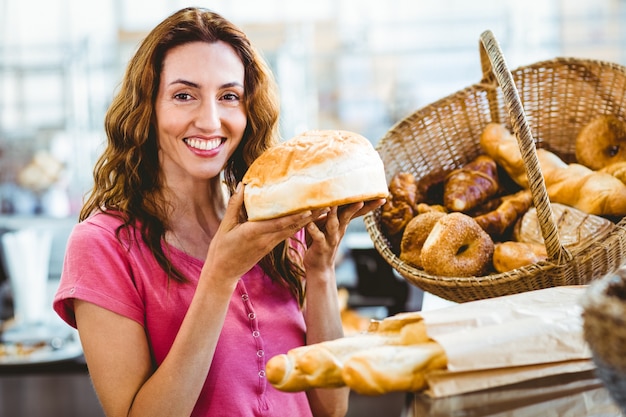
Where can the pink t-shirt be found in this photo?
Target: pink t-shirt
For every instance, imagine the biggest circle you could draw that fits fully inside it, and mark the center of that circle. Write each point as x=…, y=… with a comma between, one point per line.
x=263, y=318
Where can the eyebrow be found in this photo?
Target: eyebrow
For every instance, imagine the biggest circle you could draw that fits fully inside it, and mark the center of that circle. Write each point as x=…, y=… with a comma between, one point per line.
x=195, y=85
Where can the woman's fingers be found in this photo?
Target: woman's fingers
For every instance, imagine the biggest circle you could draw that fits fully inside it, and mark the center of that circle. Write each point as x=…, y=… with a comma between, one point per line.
x=369, y=206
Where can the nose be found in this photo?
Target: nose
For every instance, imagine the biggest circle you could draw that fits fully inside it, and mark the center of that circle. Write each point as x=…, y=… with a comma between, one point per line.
x=208, y=115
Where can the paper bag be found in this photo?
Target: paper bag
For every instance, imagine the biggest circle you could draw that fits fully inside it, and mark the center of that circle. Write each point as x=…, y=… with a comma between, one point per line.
x=504, y=340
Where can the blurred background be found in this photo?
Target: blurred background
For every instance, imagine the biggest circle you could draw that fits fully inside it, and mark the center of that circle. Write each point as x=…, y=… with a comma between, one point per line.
x=360, y=65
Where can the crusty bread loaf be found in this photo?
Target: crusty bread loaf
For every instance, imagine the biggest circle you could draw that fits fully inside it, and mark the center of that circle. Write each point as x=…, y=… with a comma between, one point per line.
x=320, y=365
x=577, y=229
x=316, y=169
x=389, y=368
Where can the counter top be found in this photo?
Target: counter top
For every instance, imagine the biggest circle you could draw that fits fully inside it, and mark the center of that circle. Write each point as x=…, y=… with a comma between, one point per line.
x=576, y=395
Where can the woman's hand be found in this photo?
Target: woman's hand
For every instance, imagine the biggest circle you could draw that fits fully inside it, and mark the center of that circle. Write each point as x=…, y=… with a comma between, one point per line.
x=325, y=234
x=238, y=244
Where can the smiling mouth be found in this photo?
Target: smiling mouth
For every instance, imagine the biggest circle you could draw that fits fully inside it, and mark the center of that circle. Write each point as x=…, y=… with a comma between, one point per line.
x=203, y=145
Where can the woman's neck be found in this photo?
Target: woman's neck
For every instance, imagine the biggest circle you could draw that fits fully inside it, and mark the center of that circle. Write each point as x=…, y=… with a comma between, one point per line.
x=194, y=219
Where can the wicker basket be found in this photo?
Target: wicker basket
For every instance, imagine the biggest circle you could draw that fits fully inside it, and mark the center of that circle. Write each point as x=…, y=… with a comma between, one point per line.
x=557, y=98
x=604, y=327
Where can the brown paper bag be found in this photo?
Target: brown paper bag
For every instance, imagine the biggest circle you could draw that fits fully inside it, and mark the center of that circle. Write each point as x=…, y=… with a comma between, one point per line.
x=509, y=339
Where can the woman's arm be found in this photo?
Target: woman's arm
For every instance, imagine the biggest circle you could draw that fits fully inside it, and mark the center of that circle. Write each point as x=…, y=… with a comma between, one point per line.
x=117, y=353
x=321, y=310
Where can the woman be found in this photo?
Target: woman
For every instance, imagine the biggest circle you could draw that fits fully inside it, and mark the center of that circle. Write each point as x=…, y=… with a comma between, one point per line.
x=179, y=302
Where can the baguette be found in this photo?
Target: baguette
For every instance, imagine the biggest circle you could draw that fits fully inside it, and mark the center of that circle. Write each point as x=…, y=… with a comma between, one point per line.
x=386, y=369
x=572, y=184
x=320, y=365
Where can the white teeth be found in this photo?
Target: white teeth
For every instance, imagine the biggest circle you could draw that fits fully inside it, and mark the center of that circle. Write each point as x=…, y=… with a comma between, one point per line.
x=204, y=145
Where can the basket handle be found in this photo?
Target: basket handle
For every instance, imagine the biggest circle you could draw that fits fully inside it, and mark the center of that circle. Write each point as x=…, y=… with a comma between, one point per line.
x=492, y=59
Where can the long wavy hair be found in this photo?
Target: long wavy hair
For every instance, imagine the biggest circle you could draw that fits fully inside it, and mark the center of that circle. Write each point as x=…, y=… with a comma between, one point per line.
x=128, y=182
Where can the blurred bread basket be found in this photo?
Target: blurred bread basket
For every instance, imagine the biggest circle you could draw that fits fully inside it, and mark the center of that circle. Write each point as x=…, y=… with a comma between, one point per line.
x=604, y=329
x=545, y=105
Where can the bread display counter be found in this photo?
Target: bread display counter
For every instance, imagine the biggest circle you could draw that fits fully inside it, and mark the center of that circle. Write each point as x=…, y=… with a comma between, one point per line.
x=486, y=357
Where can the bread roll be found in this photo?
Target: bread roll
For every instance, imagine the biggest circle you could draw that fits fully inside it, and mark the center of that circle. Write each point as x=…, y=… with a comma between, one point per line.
x=617, y=169
x=511, y=255
x=319, y=168
x=601, y=142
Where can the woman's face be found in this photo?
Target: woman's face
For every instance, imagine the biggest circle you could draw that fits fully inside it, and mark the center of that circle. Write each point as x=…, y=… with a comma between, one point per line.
x=199, y=110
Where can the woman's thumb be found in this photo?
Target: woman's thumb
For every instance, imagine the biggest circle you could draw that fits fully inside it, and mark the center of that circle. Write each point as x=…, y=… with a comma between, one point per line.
x=235, y=206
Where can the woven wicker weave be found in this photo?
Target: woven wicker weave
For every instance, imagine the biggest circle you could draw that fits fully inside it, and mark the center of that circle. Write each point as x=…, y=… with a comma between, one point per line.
x=604, y=326
x=554, y=99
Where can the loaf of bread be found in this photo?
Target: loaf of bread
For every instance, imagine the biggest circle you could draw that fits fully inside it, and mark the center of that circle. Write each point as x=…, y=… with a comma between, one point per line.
x=576, y=228
x=321, y=365
x=573, y=184
x=387, y=369
x=316, y=169
x=318, y=365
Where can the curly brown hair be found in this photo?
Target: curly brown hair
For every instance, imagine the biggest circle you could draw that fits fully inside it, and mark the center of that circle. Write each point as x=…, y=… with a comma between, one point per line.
x=127, y=180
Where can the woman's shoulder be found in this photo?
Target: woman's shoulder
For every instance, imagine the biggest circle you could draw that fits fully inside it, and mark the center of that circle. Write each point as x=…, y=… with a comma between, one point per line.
x=103, y=225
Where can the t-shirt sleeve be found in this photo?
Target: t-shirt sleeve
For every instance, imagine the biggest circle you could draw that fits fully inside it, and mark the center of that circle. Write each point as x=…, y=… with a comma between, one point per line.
x=98, y=269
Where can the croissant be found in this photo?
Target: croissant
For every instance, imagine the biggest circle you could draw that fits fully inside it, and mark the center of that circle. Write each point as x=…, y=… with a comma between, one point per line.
x=471, y=185
x=573, y=184
x=401, y=205
x=498, y=221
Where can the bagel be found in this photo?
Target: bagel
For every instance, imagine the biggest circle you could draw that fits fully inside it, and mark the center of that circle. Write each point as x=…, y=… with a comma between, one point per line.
x=415, y=234
x=457, y=246
x=601, y=142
